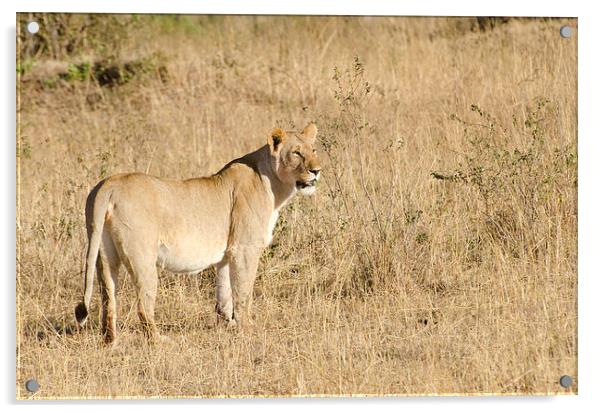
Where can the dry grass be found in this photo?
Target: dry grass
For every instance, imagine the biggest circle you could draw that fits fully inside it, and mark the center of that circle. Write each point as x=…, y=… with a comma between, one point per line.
x=389, y=280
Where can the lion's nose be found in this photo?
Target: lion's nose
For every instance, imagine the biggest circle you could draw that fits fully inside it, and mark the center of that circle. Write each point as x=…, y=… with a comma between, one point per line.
x=315, y=171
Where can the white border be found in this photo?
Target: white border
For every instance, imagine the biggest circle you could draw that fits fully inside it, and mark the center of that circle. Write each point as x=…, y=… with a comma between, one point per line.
x=589, y=193
x=335, y=7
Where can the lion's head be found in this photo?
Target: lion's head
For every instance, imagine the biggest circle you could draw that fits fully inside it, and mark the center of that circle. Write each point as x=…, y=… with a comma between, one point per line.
x=294, y=158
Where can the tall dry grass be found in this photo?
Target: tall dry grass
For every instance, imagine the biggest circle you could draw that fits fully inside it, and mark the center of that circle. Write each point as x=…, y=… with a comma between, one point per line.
x=438, y=256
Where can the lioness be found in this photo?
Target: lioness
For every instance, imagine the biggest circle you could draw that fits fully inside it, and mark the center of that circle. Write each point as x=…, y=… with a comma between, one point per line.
x=224, y=220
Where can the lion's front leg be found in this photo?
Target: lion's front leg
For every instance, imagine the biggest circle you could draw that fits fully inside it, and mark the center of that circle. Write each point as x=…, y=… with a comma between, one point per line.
x=223, y=293
x=243, y=262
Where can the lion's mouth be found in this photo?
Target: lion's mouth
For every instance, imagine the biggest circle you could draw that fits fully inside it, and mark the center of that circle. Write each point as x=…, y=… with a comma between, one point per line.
x=308, y=184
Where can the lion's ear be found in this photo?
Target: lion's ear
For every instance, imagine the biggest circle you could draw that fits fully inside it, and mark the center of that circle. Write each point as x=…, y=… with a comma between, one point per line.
x=310, y=132
x=276, y=138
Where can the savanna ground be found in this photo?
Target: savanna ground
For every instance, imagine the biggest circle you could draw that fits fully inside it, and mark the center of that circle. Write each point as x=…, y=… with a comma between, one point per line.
x=439, y=254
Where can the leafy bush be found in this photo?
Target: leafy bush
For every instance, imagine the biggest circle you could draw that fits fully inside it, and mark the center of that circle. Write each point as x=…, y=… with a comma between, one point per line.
x=514, y=182
x=63, y=35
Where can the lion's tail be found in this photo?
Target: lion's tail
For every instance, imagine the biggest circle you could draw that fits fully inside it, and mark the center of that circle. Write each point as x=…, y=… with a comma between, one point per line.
x=96, y=209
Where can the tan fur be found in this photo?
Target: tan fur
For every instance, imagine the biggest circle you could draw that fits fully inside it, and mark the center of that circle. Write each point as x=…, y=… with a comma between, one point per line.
x=225, y=220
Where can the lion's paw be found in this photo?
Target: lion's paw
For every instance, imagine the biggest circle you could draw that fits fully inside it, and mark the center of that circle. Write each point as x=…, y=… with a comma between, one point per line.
x=232, y=324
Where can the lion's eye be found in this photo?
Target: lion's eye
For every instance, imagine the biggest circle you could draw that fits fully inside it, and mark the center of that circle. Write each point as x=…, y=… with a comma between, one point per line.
x=298, y=154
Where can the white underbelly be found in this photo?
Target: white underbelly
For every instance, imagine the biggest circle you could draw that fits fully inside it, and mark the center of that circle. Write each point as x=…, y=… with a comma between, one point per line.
x=180, y=260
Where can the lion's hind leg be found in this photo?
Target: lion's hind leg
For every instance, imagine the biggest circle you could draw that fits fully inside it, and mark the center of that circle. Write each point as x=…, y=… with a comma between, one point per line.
x=143, y=272
x=108, y=269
